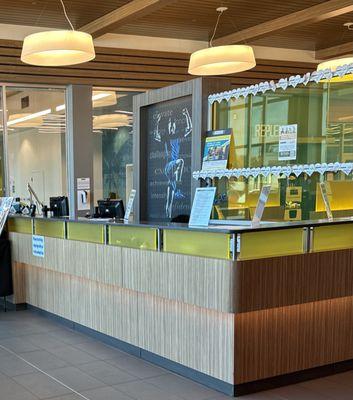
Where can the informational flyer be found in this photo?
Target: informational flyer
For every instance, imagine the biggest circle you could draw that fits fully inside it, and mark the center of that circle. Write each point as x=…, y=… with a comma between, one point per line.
x=38, y=246
x=202, y=206
x=83, y=194
x=216, y=149
x=287, y=147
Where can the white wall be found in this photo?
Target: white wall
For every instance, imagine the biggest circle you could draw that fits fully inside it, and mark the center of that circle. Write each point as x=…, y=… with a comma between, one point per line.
x=37, y=157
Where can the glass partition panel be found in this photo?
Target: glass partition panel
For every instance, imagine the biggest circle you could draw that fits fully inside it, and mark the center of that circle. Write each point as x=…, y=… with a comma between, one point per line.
x=112, y=129
x=36, y=128
x=322, y=114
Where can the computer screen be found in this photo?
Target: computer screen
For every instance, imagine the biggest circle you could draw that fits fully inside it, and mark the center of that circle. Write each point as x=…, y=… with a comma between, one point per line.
x=59, y=206
x=111, y=209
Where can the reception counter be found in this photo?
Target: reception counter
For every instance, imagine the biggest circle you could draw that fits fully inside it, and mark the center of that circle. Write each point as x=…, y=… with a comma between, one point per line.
x=235, y=308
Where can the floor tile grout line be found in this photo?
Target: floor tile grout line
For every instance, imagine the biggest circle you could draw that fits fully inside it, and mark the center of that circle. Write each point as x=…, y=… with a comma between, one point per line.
x=44, y=373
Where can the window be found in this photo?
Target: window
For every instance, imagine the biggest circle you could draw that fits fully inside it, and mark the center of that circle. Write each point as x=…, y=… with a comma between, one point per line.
x=112, y=127
x=36, y=130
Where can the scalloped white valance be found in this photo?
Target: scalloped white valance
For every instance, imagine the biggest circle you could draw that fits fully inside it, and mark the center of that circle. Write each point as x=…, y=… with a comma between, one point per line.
x=277, y=171
x=283, y=83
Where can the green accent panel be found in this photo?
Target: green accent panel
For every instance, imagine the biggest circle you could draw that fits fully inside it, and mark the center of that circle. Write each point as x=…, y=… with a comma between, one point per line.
x=333, y=237
x=49, y=228
x=266, y=244
x=20, y=225
x=85, y=232
x=202, y=244
x=134, y=237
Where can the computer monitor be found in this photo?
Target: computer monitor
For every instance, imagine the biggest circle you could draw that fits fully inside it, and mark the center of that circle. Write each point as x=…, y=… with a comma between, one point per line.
x=111, y=208
x=59, y=206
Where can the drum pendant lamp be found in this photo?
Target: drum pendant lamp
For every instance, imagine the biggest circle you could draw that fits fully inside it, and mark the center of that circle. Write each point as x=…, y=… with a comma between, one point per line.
x=335, y=63
x=221, y=60
x=58, y=48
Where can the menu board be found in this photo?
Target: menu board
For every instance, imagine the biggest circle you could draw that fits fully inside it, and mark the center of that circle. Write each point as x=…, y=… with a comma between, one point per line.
x=168, y=170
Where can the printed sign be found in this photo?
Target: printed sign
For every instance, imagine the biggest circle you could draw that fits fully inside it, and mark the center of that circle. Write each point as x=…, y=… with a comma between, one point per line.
x=287, y=148
x=130, y=203
x=202, y=206
x=83, y=194
x=265, y=192
x=38, y=246
x=216, y=150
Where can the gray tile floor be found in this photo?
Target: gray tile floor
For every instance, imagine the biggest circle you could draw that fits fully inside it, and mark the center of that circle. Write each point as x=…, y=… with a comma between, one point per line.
x=41, y=359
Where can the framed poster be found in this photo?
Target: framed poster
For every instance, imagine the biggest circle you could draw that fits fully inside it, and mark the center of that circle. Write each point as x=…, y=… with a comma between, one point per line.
x=168, y=152
x=216, y=149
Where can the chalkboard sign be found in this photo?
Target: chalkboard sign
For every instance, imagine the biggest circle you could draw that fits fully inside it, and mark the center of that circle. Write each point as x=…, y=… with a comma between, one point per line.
x=168, y=152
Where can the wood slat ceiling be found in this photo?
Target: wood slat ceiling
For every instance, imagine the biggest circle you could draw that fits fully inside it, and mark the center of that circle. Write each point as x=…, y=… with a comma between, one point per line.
x=49, y=13
x=131, y=68
x=328, y=33
x=187, y=19
x=195, y=19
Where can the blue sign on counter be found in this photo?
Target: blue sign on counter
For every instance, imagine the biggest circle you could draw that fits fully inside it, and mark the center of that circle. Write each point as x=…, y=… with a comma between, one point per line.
x=38, y=248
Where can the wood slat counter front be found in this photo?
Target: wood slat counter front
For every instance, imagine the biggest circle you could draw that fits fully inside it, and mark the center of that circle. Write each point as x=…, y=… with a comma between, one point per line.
x=236, y=309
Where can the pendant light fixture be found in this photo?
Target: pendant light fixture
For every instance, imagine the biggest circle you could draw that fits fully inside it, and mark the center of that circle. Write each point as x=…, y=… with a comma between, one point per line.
x=337, y=62
x=221, y=60
x=58, y=48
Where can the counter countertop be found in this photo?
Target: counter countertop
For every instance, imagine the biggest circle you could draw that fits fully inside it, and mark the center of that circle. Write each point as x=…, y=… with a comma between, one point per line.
x=224, y=227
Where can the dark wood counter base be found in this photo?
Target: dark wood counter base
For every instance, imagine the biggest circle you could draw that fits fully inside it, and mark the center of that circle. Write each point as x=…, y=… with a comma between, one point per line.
x=292, y=378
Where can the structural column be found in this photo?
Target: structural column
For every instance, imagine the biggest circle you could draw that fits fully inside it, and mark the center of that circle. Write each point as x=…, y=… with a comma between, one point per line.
x=79, y=145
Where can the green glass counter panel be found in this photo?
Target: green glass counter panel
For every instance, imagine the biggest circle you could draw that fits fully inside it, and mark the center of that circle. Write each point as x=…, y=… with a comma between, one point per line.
x=332, y=237
x=49, y=228
x=20, y=225
x=202, y=244
x=93, y=233
x=276, y=243
x=136, y=238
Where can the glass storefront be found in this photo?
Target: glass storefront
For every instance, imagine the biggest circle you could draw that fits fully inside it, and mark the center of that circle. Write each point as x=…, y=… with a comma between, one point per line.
x=323, y=116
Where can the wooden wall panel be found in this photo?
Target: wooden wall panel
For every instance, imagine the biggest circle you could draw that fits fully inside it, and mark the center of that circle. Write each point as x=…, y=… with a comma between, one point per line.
x=138, y=69
x=173, y=276
x=198, y=338
x=288, y=339
x=282, y=281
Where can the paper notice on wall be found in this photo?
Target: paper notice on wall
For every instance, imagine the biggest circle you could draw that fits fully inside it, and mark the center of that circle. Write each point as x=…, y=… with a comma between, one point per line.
x=287, y=147
x=38, y=246
x=83, y=194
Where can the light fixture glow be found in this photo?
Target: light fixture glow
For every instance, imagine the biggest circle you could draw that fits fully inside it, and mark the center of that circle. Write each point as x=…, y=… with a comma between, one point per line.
x=99, y=99
x=222, y=60
x=27, y=120
x=111, y=121
x=57, y=48
x=103, y=98
x=334, y=64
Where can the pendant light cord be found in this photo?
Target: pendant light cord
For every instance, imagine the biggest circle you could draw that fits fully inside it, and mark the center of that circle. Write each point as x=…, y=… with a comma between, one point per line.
x=66, y=16
x=216, y=26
